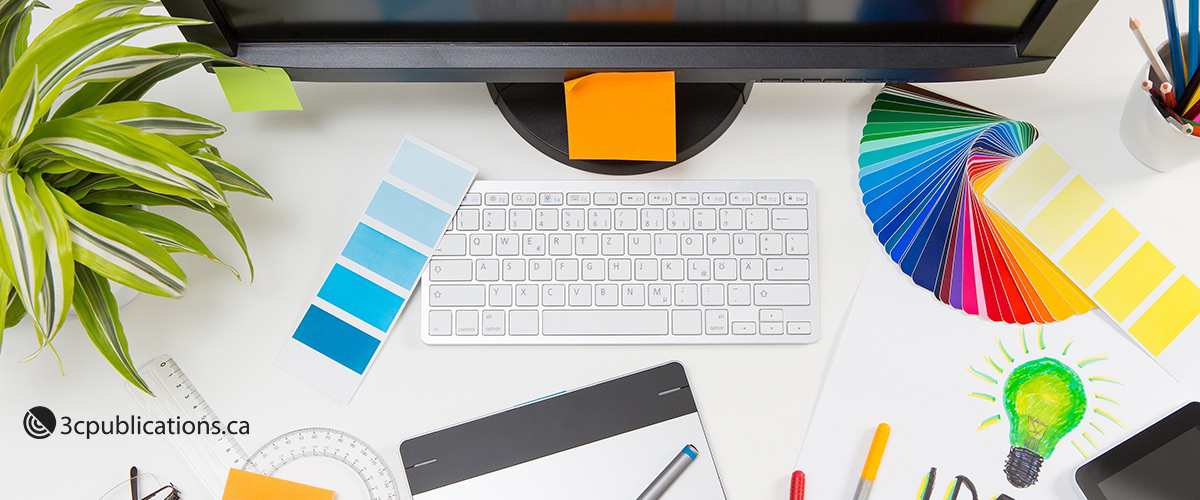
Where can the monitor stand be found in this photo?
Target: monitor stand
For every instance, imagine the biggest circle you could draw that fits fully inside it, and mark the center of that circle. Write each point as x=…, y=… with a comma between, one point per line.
x=538, y=113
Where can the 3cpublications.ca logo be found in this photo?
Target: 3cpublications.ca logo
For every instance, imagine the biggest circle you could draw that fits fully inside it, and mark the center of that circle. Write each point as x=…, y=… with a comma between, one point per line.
x=40, y=423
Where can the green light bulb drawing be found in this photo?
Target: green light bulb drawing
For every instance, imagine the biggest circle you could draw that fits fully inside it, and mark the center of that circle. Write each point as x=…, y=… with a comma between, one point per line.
x=1044, y=400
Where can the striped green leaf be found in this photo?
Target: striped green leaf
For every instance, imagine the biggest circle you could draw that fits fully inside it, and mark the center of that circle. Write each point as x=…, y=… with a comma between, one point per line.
x=96, y=182
x=59, y=58
x=22, y=247
x=228, y=176
x=119, y=63
x=14, y=32
x=171, y=235
x=54, y=300
x=173, y=124
x=121, y=253
x=110, y=148
x=138, y=196
x=97, y=310
x=26, y=113
x=89, y=9
x=14, y=309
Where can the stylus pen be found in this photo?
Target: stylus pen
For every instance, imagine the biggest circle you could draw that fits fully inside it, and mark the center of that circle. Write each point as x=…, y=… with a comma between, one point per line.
x=660, y=484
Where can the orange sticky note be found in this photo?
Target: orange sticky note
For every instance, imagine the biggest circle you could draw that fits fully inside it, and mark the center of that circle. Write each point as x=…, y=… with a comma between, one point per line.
x=242, y=485
x=622, y=116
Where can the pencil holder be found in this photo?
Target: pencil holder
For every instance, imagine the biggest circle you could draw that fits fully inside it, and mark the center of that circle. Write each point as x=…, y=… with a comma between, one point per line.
x=1150, y=136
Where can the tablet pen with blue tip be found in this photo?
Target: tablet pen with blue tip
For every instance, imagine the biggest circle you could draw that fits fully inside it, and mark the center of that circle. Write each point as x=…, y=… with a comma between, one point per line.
x=660, y=484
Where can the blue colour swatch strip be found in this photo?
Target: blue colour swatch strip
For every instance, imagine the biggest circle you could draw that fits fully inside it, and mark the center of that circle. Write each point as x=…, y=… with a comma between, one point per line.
x=437, y=176
x=336, y=339
x=408, y=214
x=384, y=256
x=360, y=297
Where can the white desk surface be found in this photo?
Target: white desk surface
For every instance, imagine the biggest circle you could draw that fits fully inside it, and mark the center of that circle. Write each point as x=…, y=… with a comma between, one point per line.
x=322, y=164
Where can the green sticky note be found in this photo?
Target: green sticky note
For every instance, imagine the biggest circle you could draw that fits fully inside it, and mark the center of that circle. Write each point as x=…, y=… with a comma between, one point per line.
x=254, y=89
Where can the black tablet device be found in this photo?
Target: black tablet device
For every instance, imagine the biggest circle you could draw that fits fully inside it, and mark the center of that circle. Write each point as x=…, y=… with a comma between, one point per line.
x=1162, y=462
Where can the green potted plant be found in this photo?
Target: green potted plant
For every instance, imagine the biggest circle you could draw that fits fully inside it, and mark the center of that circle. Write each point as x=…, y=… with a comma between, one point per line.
x=82, y=159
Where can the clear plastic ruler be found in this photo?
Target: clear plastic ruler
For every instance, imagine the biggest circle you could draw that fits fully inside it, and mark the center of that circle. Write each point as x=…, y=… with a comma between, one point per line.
x=211, y=456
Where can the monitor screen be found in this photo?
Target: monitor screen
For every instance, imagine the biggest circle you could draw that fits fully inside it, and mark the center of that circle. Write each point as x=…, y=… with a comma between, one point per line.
x=1167, y=473
x=600, y=21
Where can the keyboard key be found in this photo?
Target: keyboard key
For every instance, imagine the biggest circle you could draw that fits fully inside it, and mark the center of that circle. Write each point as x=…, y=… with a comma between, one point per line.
x=541, y=270
x=546, y=219
x=741, y=199
x=645, y=269
x=704, y=219
x=768, y=198
x=507, y=244
x=579, y=295
x=495, y=199
x=487, y=270
x=554, y=295
x=605, y=322
x=587, y=244
x=466, y=323
x=672, y=269
x=526, y=295
x=713, y=198
x=744, y=328
x=566, y=270
x=691, y=244
x=799, y=328
x=493, y=219
x=451, y=245
x=513, y=269
x=756, y=219
x=781, y=295
x=573, y=219
x=606, y=295
x=660, y=198
x=752, y=269
x=456, y=295
x=612, y=244
x=493, y=323
x=522, y=322
x=712, y=294
x=520, y=219
x=745, y=244
x=716, y=322
x=533, y=244
x=440, y=323
x=739, y=294
x=633, y=198
x=593, y=269
x=481, y=244
x=699, y=269
x=771, y=328
x=787, y=269
x=770, y=244
x=450, y=270
x=467, y=220
x=472, y=200
x=783, y=219
x=795, y=198
x=605, y=199
x=579, y=198
x=633, y=295
x=687, y=294
x=719, y=244
x=653, y=219
x=551, y=198
x=599, y=219
x=500, y=295
x=687, y=322
x=659, y=295
x=797, y=244
x=639, y=244
x=560, y=244
x=666, y=244
x=620, y=270
x=770, y=315
x=687, y=199
x=625, y=219
x=524, y=199
x=725, y=269
x=679, y=219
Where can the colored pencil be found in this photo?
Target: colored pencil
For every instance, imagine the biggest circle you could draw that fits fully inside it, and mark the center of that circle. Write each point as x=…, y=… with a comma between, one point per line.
x=1175, y=46
x=1168, y=94
x=1184, y=99
x=1193, y=50
x=1156, y=62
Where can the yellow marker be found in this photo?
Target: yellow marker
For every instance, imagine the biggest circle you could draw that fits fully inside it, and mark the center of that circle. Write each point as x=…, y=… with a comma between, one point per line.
x=873, y=458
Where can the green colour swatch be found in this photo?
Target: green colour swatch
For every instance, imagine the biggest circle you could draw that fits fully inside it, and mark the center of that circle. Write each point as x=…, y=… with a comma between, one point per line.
x=257, y=89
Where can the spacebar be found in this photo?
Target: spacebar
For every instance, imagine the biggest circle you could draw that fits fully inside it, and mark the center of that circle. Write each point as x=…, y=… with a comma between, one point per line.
x=601, y=322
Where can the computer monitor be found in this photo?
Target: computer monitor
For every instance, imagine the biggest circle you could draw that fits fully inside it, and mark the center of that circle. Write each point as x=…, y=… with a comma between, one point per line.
x=525, y=49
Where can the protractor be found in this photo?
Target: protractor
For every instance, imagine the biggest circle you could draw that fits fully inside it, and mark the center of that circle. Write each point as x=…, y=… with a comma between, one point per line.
x=319, y=442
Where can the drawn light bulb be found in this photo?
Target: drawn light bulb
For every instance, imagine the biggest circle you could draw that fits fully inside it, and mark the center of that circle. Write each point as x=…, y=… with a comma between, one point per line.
x=1044, y=400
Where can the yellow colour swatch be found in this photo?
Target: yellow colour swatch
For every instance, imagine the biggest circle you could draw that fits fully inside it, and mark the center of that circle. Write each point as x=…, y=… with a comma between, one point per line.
x=1170, y=314
x=257, y=89
x=1029, y=182
x=1139, y=276
x=242, y=485
x=621, y=116
x=1099, y=248
x=1065, y=213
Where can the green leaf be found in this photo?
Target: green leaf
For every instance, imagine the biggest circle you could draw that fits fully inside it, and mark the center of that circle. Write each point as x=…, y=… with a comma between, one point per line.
x=13, y=33
x=87, y=10
x=173, y=124
x=22, y=247
x=120, y=253
x=59, y=58
x=119, y=63
x=26, y=114
x=15, y=310
x=97, y=310
x=96, y=182
x=54, y=300
x=138, y=196
x=171, y=235
x=110, y=148
x=229, y=177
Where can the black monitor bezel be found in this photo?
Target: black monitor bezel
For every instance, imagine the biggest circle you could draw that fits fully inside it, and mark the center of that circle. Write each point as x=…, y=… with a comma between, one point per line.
x=1090, y=475
x=1042, y=38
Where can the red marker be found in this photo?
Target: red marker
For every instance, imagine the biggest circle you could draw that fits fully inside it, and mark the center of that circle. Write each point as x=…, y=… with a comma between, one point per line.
x=797, y=486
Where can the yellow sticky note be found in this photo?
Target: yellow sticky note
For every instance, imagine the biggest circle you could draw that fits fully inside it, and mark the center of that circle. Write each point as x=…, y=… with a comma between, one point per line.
x=1099, y=248
x=1168, y=316
x=622, y=116
x=1136, y=278
x=257, y=89
x=242, y=485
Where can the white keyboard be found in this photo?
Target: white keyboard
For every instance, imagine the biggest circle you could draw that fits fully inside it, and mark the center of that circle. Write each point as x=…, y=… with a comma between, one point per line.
x=626, y=262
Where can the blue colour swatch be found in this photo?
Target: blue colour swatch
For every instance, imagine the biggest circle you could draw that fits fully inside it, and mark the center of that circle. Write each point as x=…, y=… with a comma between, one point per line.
x=336, y=339
x=436, y=175
x=359, y=296
x=384, y=256
x=408, y=214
